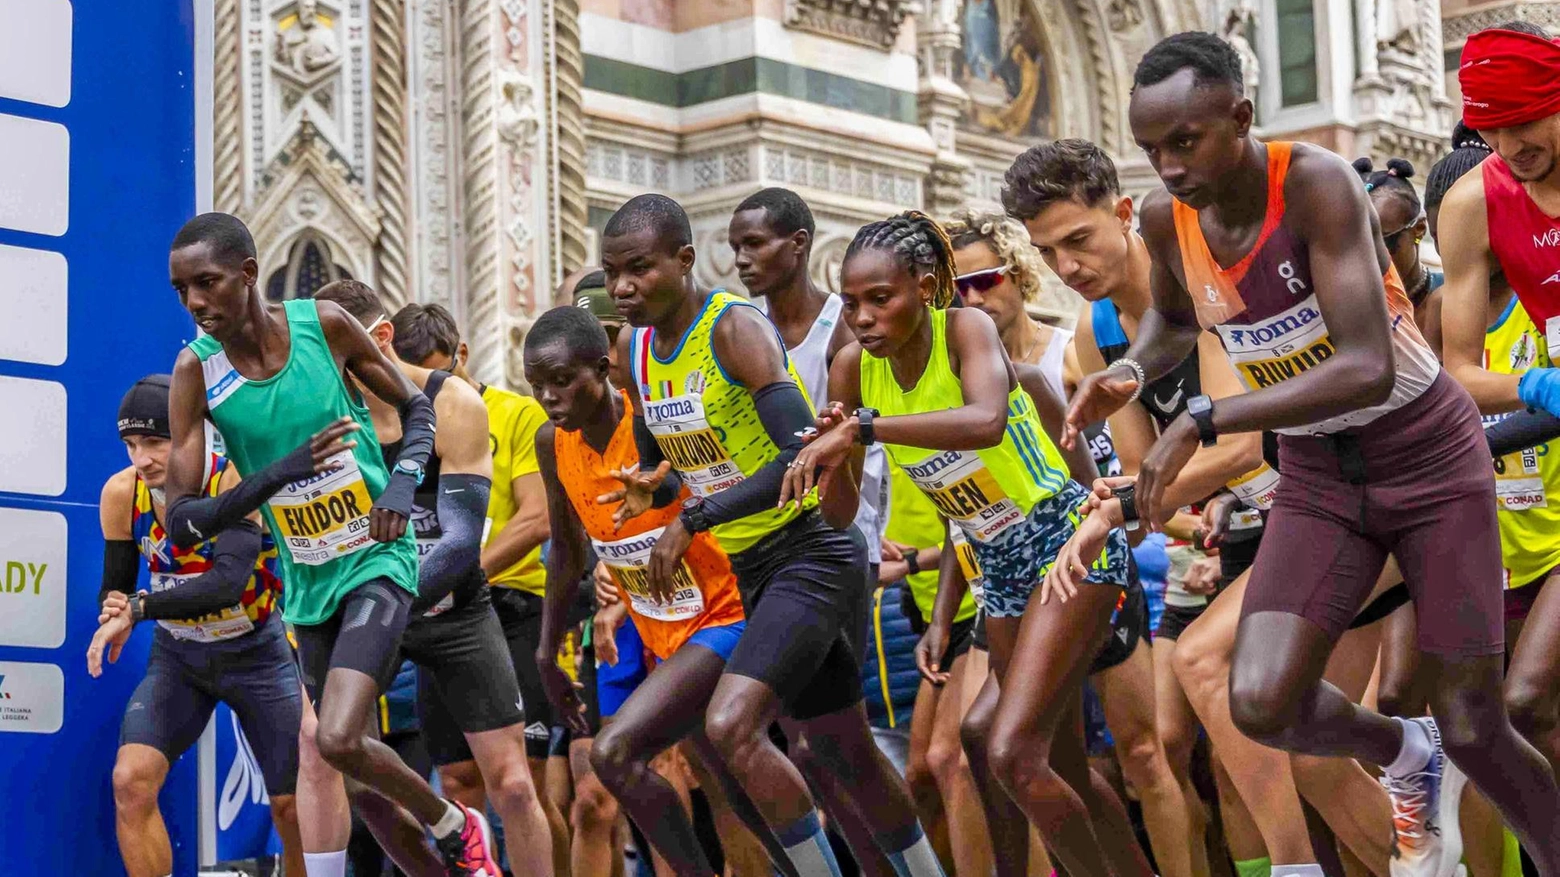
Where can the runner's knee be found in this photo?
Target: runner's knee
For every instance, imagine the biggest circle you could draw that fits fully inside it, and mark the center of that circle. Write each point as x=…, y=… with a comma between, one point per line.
x=594, y=810
x=341, y=747
x=1142, y=760
x=512, y=791
x=1198, y=665
x=1532, y=709
x=1261, y=710
x=974, y=734
x=135, y=785
x=1468, y=722
x=612, y=757
x=462, y=781
x=734, y=734
x=284, y=810
x=945, y=760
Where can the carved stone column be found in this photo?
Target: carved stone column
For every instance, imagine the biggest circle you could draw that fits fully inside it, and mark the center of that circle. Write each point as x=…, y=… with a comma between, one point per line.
x=567, y=69
x=940, y=104
x=388, y=26
x=228, y=116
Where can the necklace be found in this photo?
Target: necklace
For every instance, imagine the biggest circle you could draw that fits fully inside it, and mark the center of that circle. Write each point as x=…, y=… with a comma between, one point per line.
x=1032, y=345
x=1417, y=294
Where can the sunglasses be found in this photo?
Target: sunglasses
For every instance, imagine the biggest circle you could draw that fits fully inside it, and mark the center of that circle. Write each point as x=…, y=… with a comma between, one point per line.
x=1391, y=240
x=980, y=281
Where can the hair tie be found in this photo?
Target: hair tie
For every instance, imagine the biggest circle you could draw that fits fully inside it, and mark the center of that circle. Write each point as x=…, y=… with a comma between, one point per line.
x=1369, y=186
x=1391, y=171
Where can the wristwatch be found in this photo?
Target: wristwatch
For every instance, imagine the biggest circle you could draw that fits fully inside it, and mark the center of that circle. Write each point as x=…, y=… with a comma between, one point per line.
x=138, y=608
x=693, y=515
x=865, y=433
x=1201, y=410
x=913, y=560
x=1127, y=496
x=410, y=467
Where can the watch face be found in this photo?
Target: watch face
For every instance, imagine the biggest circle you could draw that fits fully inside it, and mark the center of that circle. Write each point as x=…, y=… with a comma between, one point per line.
x=691, y=503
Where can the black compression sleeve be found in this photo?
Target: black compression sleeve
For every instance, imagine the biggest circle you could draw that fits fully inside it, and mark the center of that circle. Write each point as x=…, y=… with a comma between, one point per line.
x=121, y=566
x=233, y=557
x=650, y=456
x=1522, y=430
x=456, y=559
x=784, y=412
x=417, y=429
x=194, y=519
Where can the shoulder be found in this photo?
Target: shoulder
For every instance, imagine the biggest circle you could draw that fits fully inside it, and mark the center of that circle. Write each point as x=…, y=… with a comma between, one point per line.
x=1321, y=178
x=456, y=396
x=1083, y=332
x=336, y=324
x=970, y=323
x=843, y=336
x=546, y=437
x=1157, y=211
x=737, y=318
x=1465, y=199
x=849, y=358
x=119, y=490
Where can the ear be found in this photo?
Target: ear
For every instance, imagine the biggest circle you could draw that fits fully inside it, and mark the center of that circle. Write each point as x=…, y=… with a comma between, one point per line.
x=1123, y=212
x=251, y=271
x=461, y=353
x=1421, y=228
x=384, y=336
x=685, y=257
x=927, y=288
x=1245, y=114
x=802, y=240
x=604, y=368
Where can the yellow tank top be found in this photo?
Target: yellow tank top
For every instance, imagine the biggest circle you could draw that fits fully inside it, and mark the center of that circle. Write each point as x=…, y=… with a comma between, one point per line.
x=1527, y=483
x=705, y=423
x=987, y=491
x=914, y=521
x=513, y=420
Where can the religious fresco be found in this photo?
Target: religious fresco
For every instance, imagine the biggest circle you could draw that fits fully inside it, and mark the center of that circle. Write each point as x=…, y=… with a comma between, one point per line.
x=1003, y=67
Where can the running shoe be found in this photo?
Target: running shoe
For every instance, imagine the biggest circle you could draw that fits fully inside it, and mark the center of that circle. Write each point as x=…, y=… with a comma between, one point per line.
x=469, y=852
x=1426, y=837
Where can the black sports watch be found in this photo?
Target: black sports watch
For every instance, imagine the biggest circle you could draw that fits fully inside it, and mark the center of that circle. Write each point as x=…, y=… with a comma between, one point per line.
x=865, y=434
x=1201, y=410
x=913, y=560
x=1127, y=496
x=693, y=515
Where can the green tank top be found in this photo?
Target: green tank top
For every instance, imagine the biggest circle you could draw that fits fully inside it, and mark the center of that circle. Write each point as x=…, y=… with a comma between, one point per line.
x=987, y=491
x=914, y=521
x=320, y=524
x=705, y=423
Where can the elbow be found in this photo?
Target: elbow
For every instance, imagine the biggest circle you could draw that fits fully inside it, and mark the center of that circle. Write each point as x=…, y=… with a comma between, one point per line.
x=1249, y=452
x=1376, y=382
x=989, y=430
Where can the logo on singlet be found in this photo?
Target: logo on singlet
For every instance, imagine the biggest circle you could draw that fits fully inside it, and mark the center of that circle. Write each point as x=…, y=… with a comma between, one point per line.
x=1213, y=294
x=1549, y=238
x=1286, y=273
x=1553, y=278
x=1175, y=398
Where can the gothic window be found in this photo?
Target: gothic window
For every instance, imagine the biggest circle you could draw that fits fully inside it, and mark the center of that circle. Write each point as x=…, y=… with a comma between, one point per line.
x=309, y=267
x=1297, y=74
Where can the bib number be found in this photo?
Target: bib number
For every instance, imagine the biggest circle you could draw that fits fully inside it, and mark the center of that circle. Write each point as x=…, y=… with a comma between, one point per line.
x=685, y=436
x=325, y=517
x=964, y=491
x=215, y=627
x=969, y=564
x=629, y=559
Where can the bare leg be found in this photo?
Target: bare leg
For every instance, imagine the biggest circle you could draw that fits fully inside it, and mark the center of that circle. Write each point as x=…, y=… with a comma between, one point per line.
x=1400, y=692
x=924, y=790
x=139, y=772
x=594, y=816
x=1241, y=836
x=348, y=699
x=500, y=755
x=1533, y=681
x=324, y=817
x=1177, y=726
x=284, y=816
x=1007, y=824
x=745, y=852
x=951, y=768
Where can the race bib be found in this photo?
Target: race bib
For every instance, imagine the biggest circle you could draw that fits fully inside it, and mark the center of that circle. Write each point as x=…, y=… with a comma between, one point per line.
x=1256, y=488
x=969, y=564
x=1276, y=349
x=959, y=484
x=325, y=517
x=629, y=561
x=686, y=438
x=214, y=627
x=1518, y=484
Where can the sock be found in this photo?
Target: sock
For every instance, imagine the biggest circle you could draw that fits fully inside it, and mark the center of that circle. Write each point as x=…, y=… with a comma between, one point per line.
x=325, y=864
x=1416, y=751
x=1298, y=871
x=1262, y=867
x=453, y=820
x=912, y=859
x=808, y=848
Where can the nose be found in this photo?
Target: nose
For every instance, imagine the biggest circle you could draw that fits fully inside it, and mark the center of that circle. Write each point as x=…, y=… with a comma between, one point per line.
x=620, y=289
x=1066, y=266
x=742, y=258
x=1171, y=172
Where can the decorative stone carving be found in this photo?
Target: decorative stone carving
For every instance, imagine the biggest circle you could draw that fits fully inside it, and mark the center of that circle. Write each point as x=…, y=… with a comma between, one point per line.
x=568, y=74
x=389, y=112
x=432, y=188
x=1123, y=15
x=1238, y=26
x=306, y=45
x=871, y=22
x=517, y=119
x=1397, y=26
x=227, y=163
x=1458, y=29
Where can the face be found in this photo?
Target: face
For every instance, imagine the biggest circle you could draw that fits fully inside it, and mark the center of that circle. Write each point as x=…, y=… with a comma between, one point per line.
x=1401, y=228
x=215, y=293
x=883, y=303
x=1002, y=301
x=1192, y=134
x=646, y=278
x=568, y=390
x=766, y=260
x=1529, y=150
x=149, y=456
x=441, y=361
x=1085, y=245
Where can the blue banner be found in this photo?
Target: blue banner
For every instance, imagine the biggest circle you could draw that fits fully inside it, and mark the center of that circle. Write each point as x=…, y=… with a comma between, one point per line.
x=243, y=810
x=98, y=169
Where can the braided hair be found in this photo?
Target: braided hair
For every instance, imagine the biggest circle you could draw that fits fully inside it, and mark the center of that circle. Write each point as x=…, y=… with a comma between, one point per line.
x=1395, y=180
x=1468, y=149
x=918, y=243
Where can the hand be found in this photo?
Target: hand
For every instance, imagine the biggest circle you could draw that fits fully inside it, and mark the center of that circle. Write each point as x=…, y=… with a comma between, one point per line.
x=112, y=635
x=890, y=571
x=561, y=693
x=1540, y=388
x=637, y=493
x=1103, y=490
x=1074, y=560
x=1161, y=465
x=331, y=441
x=665, y=558
x=606, y=588
x=116, y=603
x=827, y=452
x=929, y=653
x=892, y=550
x=603, y=632
x=828, y=418
x=1202, y=577
x=385, y=525
x=1098, y=396
x=1216, y=519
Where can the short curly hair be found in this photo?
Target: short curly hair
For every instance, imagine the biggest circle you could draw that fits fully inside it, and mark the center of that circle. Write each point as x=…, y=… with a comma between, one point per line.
x=1058, y=170
x=1006, y=237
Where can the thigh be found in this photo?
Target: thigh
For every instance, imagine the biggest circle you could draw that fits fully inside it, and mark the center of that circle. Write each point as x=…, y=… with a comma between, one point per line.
x=1127, y=694
x=1313, y=564
x=1050, y=659
x=463, y=655
x=372, y=619
x=169, y=709
x=262, y=690
x=792, y=635
x=1173, y=715
x=669, y=704
x=520, y=615
x=1535, y=660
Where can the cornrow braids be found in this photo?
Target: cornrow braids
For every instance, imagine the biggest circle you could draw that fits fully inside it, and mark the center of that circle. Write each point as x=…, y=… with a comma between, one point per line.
x=919, y=243
x=1468, y=151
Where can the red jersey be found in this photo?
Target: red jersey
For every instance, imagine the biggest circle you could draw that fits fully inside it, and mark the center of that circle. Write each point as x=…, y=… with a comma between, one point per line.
x=1527, y=246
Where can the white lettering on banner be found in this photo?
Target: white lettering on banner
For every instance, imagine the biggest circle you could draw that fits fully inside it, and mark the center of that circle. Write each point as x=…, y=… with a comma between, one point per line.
x=244, y=780
x=32, y=578
x=684, y=435
x=629, y=561
x=32, y=697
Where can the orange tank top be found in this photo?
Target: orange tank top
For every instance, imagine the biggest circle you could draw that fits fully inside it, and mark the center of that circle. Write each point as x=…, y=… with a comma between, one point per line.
x=1265, y=310
x=706, y=594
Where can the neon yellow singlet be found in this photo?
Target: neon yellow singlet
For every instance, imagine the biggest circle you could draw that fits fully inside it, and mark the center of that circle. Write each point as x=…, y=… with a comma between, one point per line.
x=1527, y=483
x=914, y=521
x=513, y=420
x=984, y=491
x=705, y=423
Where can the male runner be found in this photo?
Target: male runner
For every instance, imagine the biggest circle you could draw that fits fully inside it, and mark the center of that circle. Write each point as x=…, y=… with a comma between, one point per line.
x=271, y=377
x=468, y=701
x=426, y=335
x=1326, y=350
x=716, y=397
x=217, y=639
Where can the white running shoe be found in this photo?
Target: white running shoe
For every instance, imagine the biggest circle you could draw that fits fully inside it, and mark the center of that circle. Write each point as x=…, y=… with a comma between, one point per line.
x=1427, y=838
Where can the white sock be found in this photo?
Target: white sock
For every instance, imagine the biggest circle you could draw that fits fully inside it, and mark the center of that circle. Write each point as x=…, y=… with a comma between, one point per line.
x=453, y=820
x=1278, y=871
x=325, y=864
x=1415, y=754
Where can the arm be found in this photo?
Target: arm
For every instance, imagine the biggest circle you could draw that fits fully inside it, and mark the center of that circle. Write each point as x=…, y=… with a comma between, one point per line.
x=121, y=560
x=465, y=481
x=232, y=563
x=565, y=566
x=1053, y=416
x=528, y=526
x=985, y=376
x=842, y=497
x=951, y=588
x=1521, y=431
x=1169, y=330
x=1464, y=242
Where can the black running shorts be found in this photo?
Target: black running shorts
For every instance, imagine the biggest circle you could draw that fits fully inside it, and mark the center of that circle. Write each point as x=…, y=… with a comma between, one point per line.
x=364, y=635
x=465, y=682
x=1128, y=625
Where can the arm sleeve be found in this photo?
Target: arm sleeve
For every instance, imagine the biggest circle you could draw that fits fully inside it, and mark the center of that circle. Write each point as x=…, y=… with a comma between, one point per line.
x=650, y=456
x=456, y=560
x=192, y=520
x=121, y=566
x=784, y=412
x=1522, y=430
x=232, y=563
x=417, y=428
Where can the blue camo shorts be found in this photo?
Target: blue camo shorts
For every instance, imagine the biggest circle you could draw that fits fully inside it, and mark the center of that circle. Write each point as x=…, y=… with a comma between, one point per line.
x=1020, y=556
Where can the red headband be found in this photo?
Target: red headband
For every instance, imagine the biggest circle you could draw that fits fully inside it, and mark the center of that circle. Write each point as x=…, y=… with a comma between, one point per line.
x=1508, y=78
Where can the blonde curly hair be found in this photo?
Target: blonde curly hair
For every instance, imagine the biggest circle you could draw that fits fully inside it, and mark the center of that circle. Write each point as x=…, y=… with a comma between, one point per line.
x=1007, y=238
